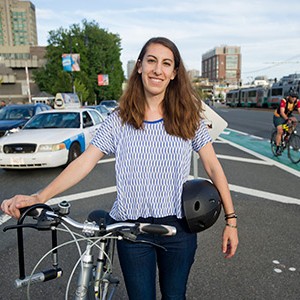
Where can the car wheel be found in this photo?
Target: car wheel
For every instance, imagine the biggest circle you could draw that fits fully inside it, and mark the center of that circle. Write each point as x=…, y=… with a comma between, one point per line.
x=74, y=152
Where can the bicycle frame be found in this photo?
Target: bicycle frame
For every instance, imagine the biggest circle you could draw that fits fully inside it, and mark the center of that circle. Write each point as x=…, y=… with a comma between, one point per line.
x=95, y=281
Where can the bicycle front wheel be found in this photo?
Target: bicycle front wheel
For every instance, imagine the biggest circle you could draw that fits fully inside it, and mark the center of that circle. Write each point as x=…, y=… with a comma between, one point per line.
x=294, y=148
x=273, y=142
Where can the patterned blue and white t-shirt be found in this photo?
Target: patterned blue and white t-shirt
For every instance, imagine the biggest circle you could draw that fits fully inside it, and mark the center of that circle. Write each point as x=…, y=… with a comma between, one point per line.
x=151, y=166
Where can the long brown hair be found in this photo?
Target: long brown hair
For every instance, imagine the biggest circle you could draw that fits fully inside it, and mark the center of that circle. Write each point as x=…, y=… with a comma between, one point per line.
x=181, y=104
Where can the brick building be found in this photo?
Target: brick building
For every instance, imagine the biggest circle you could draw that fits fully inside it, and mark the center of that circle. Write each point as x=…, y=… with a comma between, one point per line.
x=222, y=65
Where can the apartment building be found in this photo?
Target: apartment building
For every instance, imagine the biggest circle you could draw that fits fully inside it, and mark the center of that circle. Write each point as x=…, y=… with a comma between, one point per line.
x=222, y=64
x=19, y=51
x=17, y=23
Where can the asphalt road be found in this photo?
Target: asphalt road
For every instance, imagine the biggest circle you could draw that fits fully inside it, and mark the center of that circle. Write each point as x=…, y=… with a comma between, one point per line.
x=266, y=197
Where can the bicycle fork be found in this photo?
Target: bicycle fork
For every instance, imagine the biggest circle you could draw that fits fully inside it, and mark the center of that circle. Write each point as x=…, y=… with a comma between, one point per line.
x=105, y=284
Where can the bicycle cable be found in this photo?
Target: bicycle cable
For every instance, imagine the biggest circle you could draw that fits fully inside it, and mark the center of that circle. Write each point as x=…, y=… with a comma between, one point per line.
x=80, y=260
x=56, y=248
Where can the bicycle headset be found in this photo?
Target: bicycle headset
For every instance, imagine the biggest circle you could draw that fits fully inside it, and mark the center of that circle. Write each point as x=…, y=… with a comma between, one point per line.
x=201, y=204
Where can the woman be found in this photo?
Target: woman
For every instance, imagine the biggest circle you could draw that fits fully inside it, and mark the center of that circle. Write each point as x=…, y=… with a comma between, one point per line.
x=152, y=135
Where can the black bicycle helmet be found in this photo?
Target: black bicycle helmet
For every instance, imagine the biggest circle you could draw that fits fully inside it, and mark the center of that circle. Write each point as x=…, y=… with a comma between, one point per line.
x=292, y=93
x=201, y=204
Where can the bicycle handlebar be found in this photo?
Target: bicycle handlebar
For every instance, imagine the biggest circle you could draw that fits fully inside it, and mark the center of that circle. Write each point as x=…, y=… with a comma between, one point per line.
x=48, y=219
x=119, y=227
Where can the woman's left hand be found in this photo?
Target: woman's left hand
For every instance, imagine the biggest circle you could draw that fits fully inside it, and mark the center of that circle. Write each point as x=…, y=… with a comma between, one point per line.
x=230, y=241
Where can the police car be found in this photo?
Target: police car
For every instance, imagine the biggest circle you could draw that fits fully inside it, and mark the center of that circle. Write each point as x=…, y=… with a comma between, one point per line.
x=50, y=139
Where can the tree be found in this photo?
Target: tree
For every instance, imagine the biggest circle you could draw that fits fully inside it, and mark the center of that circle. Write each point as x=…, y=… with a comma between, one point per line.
x=100, y=53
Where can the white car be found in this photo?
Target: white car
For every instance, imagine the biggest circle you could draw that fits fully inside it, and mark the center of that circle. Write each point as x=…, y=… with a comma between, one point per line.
x=50, y=139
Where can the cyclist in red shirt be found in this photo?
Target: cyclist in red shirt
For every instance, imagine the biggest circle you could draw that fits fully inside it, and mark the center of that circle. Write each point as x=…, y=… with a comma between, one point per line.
x=283, y=115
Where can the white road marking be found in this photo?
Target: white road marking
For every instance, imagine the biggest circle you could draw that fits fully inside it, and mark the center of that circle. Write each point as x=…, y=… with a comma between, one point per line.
x=277, y=270
x=243, y=133
x=237, y=131
x=247, y=160
x=83, y=195
x=264, y=158
x=280, y=266
x=265, y=195
x=4, y=218
x=292, y=269
x=239, y=189
x=243, y=190
x=256, y=137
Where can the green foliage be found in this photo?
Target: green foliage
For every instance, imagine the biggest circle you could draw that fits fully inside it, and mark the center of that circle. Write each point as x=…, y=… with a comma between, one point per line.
x=82, y=91
x=100, y=53
x=203, y=93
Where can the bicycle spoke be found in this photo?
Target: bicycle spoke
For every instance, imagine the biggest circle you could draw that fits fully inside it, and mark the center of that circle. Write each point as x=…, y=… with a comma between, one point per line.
x=294, y=148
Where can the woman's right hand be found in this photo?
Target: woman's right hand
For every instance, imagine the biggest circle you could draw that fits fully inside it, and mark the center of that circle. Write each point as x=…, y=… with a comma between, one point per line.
x=12, y=206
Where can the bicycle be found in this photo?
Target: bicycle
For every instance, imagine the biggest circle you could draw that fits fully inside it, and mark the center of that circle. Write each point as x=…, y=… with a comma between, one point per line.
x=290, y=140
x=95, y=279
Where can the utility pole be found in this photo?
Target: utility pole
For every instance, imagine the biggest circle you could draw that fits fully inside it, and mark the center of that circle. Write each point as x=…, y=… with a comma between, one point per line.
x=28, y=83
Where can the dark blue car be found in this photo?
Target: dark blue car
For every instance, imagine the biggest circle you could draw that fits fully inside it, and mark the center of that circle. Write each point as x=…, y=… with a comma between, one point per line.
x=13, y=117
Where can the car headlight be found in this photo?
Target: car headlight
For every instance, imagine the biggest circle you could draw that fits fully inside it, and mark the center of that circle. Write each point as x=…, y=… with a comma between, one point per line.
x=51, y=147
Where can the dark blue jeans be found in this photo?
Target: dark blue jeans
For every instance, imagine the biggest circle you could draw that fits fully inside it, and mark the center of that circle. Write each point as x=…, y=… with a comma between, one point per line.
x=140, y=260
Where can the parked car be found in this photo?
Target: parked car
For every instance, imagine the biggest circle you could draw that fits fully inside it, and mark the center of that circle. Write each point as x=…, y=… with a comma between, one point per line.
x=50, y=139
x=13, y=117
x=103, y=110
x=110, y=104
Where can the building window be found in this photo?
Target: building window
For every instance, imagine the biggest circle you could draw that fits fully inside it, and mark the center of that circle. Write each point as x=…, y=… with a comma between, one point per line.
x=230, y=74
x=231, y=50
x=231, y=61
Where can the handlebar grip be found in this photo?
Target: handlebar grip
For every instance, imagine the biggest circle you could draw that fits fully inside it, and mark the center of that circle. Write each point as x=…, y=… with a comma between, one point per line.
x=32, y=213
x=158, y=229
x=39, y=277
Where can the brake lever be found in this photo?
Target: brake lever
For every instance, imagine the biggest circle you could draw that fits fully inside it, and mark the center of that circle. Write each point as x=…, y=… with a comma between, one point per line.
x=130, y=236
x=19, y=226
x=43, y=223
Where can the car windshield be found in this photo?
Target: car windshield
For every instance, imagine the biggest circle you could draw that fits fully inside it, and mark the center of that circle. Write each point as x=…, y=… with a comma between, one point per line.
x=102, y=109
x=54, y=120
x=109, y=103
x=16, y=113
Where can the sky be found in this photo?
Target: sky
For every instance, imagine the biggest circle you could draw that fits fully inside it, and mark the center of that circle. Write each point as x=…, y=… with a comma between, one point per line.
x=268, y=31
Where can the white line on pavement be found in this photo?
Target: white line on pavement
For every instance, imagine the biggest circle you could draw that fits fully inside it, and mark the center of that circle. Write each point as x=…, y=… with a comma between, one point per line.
x=239, y=189
x=265, y=195
x=247, y=160
x=271, y=161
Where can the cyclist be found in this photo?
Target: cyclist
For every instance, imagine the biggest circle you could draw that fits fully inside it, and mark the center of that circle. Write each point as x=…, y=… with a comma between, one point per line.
x=152, y=134
x=283, y=115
